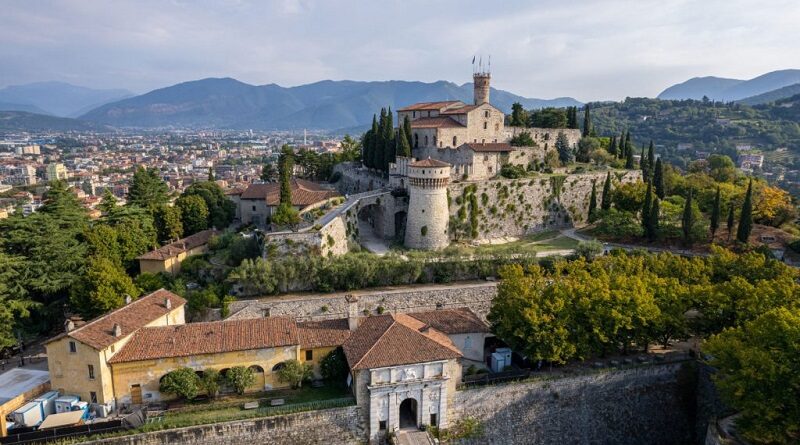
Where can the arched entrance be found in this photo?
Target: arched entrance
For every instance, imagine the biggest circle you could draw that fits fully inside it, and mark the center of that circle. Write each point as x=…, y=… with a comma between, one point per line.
x=400, y=226
x=408, y=414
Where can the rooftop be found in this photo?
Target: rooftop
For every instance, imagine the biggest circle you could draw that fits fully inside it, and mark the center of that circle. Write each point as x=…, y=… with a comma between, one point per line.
x=452, y=321
x=182, y=245
x=432, y=105
x=436, y=122
x=323, y=334
x=429, y=163
x=304, y=193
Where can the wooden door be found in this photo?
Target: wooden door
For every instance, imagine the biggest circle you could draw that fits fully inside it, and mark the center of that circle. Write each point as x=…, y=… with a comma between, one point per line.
x=136, y=394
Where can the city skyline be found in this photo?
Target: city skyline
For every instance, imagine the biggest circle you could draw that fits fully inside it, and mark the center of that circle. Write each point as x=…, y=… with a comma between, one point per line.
x=587, y=50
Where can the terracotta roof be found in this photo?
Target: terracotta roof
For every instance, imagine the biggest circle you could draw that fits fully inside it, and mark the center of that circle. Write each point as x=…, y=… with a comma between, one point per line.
x=391, y=340
x=303, y=193
x=460, y=110
x=180, y=246
x=98, y=333
x=431, y=105
x=436, y=122
x=497, y=147
x=321, y=334
x=452, y=321
x=429, y=163
x=208, y=338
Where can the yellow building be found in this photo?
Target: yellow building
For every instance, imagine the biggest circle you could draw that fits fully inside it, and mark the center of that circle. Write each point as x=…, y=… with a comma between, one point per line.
x=168, y=258
x=78, y=358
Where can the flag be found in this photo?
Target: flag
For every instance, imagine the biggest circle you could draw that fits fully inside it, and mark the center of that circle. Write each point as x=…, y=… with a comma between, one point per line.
x=473, y=60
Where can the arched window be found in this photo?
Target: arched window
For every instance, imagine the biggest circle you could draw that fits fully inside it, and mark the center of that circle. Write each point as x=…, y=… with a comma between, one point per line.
x=455, y=141
x=426, y=141
x=486, y=113
x=257, y=369
x=278, y=367
x=416, y=140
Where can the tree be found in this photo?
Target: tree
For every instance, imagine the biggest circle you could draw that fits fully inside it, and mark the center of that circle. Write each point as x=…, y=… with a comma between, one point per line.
x=630, y=196
x=549, y=117
x=593, y=203
x=653, y=223
x=15, y=304
x=211, y=174
x=109, y=202
x=333, y=367
x=285, y=215
x=404, y=147
x=295, y=373
x=587, y=121
x=563, y=148
x=221, y=210
x=605, y=202
x=629, y=164
x=651, y=158
x=658, y=179
x=523, y=139
x=612, y=146
x=746, y=216
x=194, y=213
x=572, y=117
x=730, y=221
x=687, y=222
x=285, y=171
x=209, y=382
x=646, y=207
x=715, y=214
x=183, y=382
x=240, y=377
x=269, y=172
x=758, y=372
x=147, y=189
x=519, y=117
x=585, y=147
x=168, y=223
x=102, y=289
x=589, y=250
x=628, y=147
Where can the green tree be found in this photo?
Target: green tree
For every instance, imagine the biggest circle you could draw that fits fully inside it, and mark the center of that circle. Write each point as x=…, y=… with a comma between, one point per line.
x=548, y=117
x=593, y=203
x=658, y=179
x=240, y=377
x=182, y=382
x=285, y=171
x=587, y=121
x=333, y=367
x=746, y=216
x=605, y=201
x=715, y=215
x=221, y=210
x=629, y=164
x=194, y=213
x=612, y=146
x=585, y=147
x=630, y=196
x=758, y=372
x=209, y=382
x=295, y=373
x=269, y=172
x=687, y=222
x=565, y=155
x=15, y=304
x=628, y=153
x=147, y=189
x=103, y=288
x=519, y=117
x=109, y=202
x=523, y=139
x=211, y=174
x=730, y=222
x=168, y=223
x=653, y=228
x=404, y=147
x=286, y=216
x=646, y=208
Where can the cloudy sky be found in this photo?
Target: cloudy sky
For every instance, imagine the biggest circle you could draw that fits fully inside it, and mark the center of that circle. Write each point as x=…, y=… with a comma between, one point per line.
x=587, y=49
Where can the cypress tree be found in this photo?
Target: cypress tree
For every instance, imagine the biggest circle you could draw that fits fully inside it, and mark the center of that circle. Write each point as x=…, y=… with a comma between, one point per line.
x=746, y=217
x=382, y=140
x=390, y=146
x=621, y=148
x=605, y=200
x=612, y=147
x=285, y=169
x=403, y=144
x=658, y=179
x=407, y=134
x=628, y=145
x=648, y=202
x=370, y=143
x=644, y=166
x=587, y=121
x=688, y=220
x=211, y=174
x=593, y=203
x=651, y=157
x=655, y=210
x=629, y=164
x=715, y=215
x=731, y=221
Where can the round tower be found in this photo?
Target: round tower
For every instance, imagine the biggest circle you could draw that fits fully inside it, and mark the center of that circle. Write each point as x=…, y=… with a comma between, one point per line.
x=480, y=83
x=428, y=215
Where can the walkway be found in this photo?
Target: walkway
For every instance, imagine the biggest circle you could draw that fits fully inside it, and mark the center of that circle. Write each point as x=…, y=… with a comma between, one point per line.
x=414, y=438
x=572, y=233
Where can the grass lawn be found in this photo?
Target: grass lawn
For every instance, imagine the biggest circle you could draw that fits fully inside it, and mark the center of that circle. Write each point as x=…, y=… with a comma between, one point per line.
x=539, y=242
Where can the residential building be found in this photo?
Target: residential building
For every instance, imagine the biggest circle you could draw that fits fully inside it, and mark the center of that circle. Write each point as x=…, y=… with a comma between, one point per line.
x=168, y=258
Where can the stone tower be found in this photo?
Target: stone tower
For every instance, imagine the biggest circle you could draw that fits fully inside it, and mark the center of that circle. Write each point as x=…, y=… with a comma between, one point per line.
x=480, y=82
x=428, y=215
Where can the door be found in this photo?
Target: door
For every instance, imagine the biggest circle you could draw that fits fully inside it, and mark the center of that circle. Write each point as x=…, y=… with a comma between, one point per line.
x=136, y=394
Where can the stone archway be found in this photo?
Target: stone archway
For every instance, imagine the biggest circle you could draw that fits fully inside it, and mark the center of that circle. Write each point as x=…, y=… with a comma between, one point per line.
x=408, y=414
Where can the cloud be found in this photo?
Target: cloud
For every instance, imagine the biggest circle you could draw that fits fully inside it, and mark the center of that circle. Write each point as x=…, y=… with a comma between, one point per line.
x=587, y=49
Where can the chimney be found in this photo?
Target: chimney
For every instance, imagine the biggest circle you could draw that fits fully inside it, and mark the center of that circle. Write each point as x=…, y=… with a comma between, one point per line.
x=352, y=311
x=168, y=303
x=117, y=330
x=69, y=325
x=128, y=299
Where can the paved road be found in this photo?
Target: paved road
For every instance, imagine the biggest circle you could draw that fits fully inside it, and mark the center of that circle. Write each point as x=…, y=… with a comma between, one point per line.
x=413, y=438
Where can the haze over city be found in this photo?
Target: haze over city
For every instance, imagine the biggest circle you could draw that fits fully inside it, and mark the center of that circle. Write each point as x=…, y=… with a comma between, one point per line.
x=590, y=50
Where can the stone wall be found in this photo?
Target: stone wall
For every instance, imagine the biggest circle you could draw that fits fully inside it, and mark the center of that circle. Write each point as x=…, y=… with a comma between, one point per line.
x=546, y=137
x=646, y=405
x=515, y=207
x=355, y=179
x=476, y=296
x=330, y=426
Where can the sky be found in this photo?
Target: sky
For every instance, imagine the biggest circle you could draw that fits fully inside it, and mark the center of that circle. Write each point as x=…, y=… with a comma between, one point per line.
x=586, y=49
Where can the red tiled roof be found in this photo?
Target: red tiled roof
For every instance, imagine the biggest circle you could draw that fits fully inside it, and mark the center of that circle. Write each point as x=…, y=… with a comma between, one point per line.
x=436, y=122
x=180, y=246
x=431, y=105
x=460, y=110
x=452, y=321
x=429, y=163
x=321, y=334
x=497, y=147
x=99, y=334
x=208, y=338
x=391, y=340
x=303, y=193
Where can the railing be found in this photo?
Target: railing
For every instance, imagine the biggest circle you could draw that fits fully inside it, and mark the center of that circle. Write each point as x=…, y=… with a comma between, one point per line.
x=498, y=377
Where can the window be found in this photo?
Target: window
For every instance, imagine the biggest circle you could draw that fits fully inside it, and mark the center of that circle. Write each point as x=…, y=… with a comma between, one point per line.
x=433, y=419
x=485, y=125
x=254, y=208
x=485, y=158
x=434, y=140
x=426, y=141
x=486, y=113
x=73, y=348
x=382, y=425
x=413, y=114
x=455, y=141
x=91, y=372
x=278, y=367
x=309, y=355
x=416, y=140
x=93, y=397
x=467, y=342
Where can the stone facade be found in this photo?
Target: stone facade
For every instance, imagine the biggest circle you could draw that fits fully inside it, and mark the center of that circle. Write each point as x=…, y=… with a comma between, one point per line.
x=426, y=223
x=545, y=137
x=646, y=405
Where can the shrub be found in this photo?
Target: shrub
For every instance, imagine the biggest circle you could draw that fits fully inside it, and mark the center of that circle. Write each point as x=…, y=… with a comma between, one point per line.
x=182, y=382
x=589, y=249
x=210, y=381
x=512, y=171
x=240, y=378
x=333, y=367
x=295, y=373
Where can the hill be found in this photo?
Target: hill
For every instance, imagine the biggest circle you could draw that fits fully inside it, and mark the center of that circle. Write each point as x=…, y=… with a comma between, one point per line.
x=723, y=89
x=13, y=121
x=772, y=96
x=58, y=98
x=325, y=105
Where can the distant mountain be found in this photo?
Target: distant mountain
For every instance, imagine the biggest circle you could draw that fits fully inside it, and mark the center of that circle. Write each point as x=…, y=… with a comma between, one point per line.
x=24, y=121
x=722, y=89
x=6, y=106
x=325, y=105
x=772, y=96
x=59, y=98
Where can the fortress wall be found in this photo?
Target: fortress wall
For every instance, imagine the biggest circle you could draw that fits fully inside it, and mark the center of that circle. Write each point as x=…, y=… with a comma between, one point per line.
x=546, y=136
x=645, y=405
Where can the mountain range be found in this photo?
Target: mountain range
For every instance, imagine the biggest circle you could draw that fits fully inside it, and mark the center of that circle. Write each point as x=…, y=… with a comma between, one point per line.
x=56, y=98
x=730, y=90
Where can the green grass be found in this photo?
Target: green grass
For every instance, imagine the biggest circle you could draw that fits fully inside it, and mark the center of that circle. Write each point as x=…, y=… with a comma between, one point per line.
x=528, y=245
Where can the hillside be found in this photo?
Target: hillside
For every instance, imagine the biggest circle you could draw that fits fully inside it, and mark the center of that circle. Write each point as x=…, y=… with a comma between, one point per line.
x=722, y=89
x=772, y=96
x=58, y=98
x=14, y=121
x=326, y=105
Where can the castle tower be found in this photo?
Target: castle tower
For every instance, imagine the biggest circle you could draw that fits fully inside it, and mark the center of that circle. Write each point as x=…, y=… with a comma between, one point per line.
x=480, y=82
x=428, y=215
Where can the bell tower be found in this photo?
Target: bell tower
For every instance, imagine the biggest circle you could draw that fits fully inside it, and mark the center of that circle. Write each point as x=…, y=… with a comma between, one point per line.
x=480, y=81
